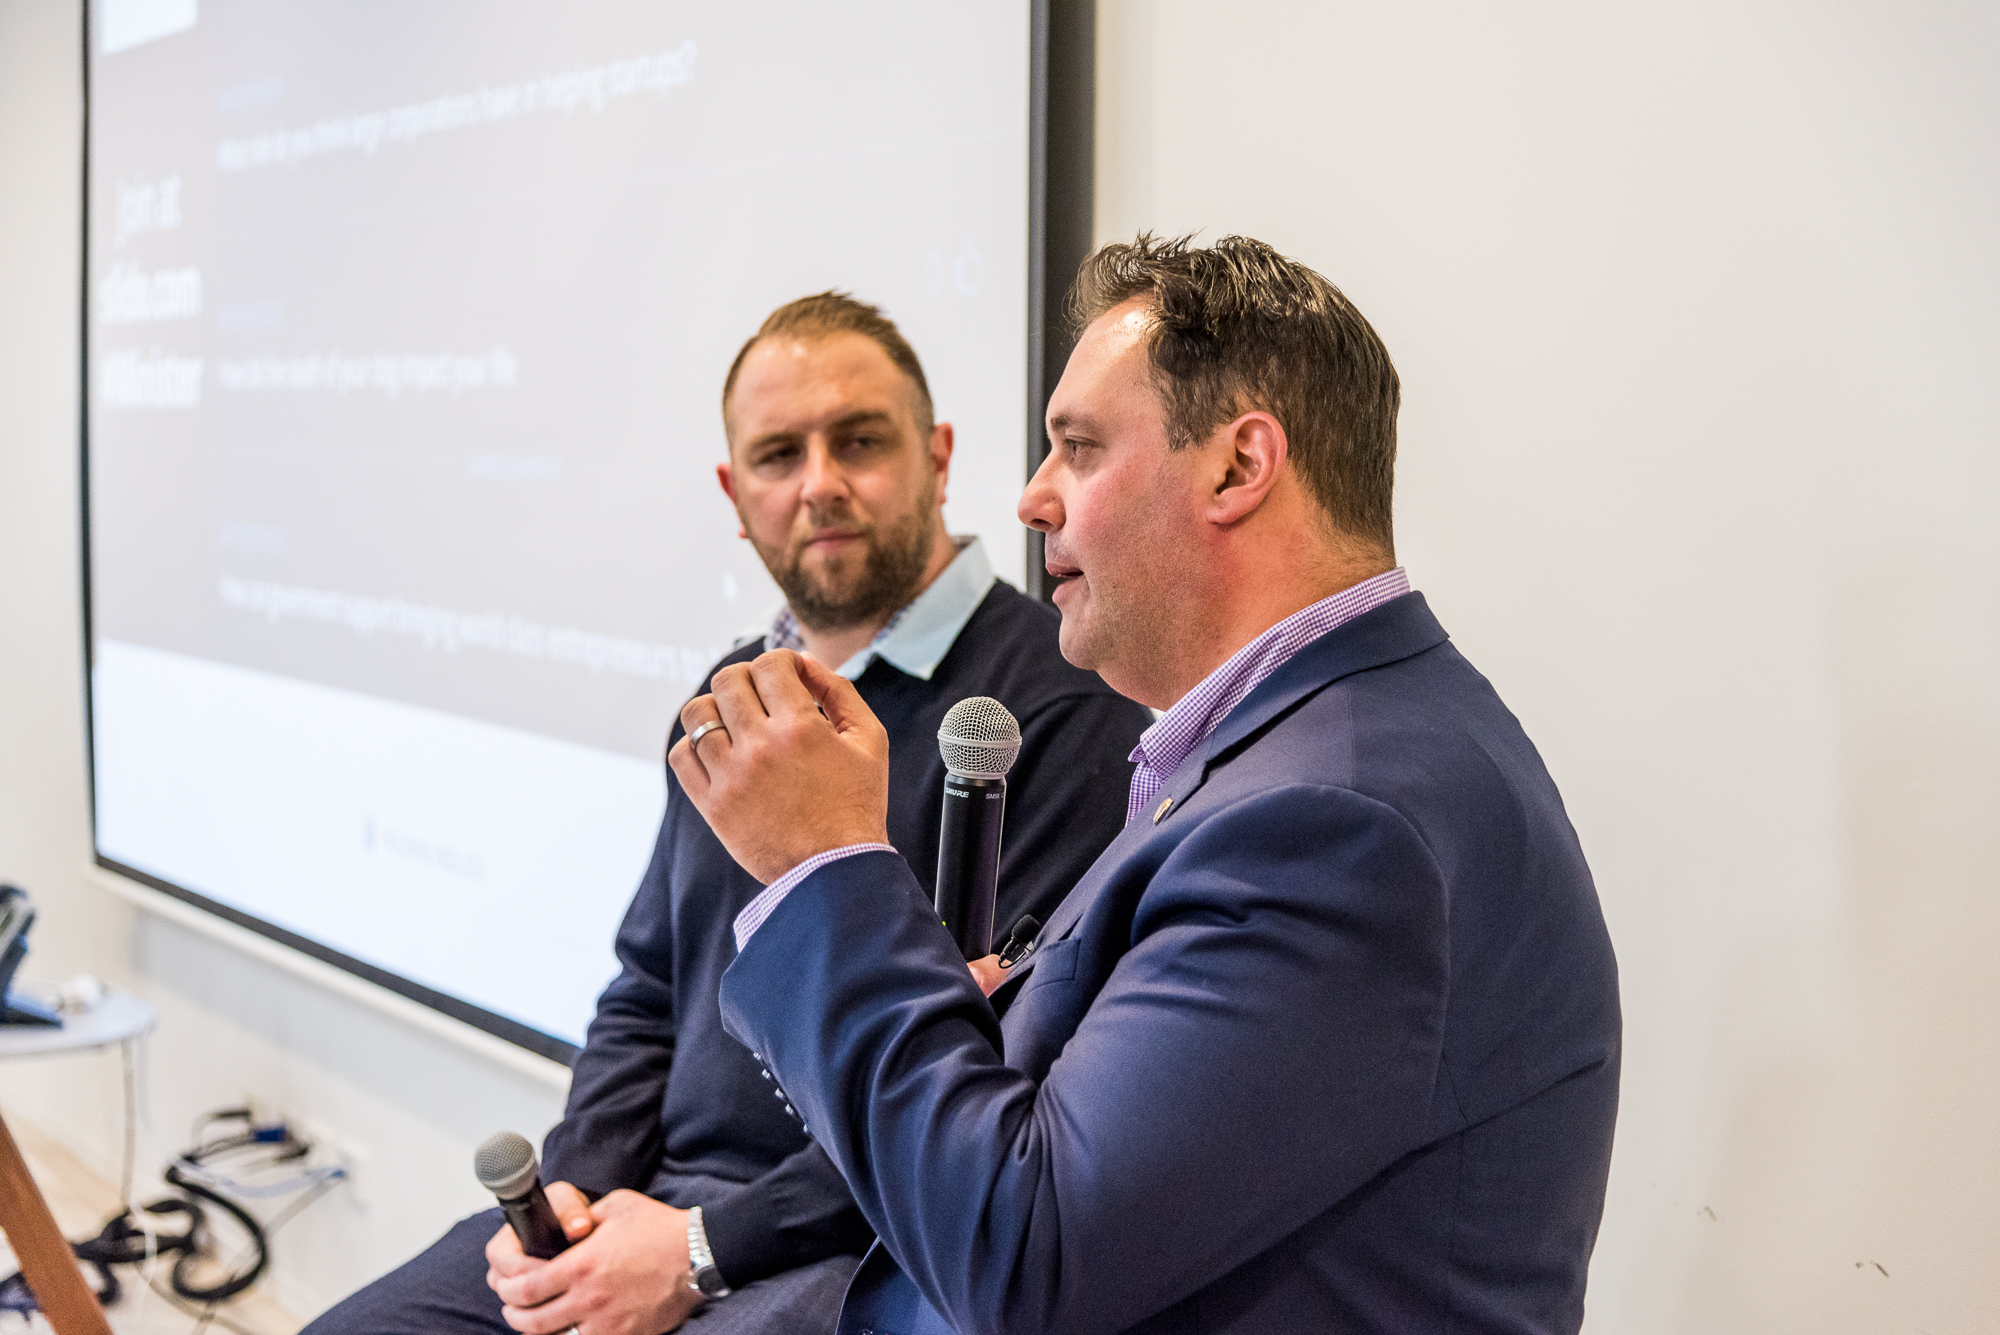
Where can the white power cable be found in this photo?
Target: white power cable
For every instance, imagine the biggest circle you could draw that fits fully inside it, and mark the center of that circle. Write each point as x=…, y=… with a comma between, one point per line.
x=134, y=1053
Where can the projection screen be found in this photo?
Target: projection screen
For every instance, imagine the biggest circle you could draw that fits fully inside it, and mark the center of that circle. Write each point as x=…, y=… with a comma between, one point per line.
x=405, y=331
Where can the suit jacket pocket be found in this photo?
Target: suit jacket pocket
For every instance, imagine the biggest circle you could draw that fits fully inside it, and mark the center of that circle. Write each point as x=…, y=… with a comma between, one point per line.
x=1054, y=963
x=1046, y=1012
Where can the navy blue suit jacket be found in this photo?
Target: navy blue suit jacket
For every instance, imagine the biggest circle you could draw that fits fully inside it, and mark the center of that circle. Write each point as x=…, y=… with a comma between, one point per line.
x=1333, y=1045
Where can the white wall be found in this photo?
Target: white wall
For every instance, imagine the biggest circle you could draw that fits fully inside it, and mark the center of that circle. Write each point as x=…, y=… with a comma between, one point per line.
x=1695, y=310
x=229, y=1025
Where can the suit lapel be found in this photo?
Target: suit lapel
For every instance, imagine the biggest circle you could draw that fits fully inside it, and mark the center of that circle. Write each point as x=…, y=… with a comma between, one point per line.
x=1398, y=629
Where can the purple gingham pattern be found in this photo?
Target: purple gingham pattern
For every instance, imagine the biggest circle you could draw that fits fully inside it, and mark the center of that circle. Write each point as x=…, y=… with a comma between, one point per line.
x=765, y=904
x=784, y=632
x=1165, y=746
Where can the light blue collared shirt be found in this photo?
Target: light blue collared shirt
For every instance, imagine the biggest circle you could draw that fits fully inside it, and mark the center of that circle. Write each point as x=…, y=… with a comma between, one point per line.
x=917, y=638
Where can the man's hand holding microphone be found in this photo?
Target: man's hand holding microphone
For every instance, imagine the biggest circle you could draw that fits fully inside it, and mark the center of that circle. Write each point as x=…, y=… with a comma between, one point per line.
x=625, y=1272
x=560, y=1263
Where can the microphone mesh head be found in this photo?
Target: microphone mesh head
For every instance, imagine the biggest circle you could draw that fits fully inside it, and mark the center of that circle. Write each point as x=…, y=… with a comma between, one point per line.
x=979, y=739
x=504, y=1163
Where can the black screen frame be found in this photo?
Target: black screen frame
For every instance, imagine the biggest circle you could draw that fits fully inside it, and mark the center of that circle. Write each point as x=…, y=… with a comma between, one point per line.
x=1061, y=151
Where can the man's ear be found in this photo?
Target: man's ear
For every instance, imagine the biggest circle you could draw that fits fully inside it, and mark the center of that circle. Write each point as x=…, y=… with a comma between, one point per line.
x=727, y=478
x=940, y=448
x=1250, y=455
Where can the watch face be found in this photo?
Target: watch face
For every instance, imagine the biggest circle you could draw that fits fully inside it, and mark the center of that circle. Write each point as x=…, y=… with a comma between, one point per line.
x=709, y=1280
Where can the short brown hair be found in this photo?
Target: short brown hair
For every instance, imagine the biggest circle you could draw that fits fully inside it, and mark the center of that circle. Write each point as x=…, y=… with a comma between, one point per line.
x=827, y=313
x=1239, y=326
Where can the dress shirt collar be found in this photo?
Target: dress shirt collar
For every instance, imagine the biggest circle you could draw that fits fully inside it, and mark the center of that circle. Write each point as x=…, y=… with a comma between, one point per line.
x=916, y=639
x=1165, y=747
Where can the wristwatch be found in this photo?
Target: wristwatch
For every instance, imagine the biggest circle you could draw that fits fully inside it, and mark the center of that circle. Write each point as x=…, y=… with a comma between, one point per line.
x=702, y=1273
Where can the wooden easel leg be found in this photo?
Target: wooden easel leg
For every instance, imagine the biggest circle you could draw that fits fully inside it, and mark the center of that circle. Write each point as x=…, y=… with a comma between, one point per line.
x=45, y=1256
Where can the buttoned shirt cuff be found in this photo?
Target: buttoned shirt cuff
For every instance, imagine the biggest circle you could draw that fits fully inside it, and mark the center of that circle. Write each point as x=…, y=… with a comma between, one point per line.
x=765, y=904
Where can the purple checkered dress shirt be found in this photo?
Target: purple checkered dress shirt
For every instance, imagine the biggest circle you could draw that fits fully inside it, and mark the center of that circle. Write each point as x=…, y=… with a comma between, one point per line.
x=767, y=900
x=1165, y=746
x=785, y=632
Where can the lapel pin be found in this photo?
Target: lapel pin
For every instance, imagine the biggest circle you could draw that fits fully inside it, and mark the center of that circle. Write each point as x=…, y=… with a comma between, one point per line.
x=1161, y=810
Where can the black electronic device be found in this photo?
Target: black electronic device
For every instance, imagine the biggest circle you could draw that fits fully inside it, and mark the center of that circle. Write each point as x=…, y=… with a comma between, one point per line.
x=17, y=915
x=505, y=1165
x=1021, y=941
x=979, y=742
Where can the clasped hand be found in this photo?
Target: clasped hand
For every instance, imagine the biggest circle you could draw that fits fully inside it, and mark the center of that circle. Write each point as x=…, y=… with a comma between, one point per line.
x=625, y=1272
x=800, y=765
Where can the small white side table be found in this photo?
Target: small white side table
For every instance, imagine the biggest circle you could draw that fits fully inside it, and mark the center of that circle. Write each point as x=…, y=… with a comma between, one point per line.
x=115, y=1018
x=44, y=1254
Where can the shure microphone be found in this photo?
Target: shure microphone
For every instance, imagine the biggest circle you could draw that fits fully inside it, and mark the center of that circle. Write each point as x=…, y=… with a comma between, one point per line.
x=506, y=1167
x=979, y=741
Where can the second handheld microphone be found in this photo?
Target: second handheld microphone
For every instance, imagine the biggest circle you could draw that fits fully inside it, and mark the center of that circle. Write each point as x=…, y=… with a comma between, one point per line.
x=979, y=741
x=506, y=1167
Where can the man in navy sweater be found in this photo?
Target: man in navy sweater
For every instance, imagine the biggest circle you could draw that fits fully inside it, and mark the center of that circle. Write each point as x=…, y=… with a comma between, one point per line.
x=678, y=1173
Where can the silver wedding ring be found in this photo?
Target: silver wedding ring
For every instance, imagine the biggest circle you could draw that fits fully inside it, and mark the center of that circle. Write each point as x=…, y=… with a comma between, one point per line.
x=713, y=725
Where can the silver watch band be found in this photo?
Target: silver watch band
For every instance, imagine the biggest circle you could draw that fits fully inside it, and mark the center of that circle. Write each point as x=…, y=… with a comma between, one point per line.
x=701, y=1260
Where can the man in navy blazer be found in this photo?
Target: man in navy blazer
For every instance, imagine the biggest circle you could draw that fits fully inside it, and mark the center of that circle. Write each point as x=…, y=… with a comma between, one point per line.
x=1328, y=1038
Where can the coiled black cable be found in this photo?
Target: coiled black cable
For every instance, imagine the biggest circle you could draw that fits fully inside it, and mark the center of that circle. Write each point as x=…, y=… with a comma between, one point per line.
x=185, y=1262
x=123, y=1241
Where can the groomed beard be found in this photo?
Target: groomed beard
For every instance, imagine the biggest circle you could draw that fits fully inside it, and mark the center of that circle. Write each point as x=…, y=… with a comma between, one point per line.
x=890, y=573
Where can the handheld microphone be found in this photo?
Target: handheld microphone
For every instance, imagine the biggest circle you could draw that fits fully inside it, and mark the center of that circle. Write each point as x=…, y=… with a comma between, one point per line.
x=505, y=1166
x=979, y=742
